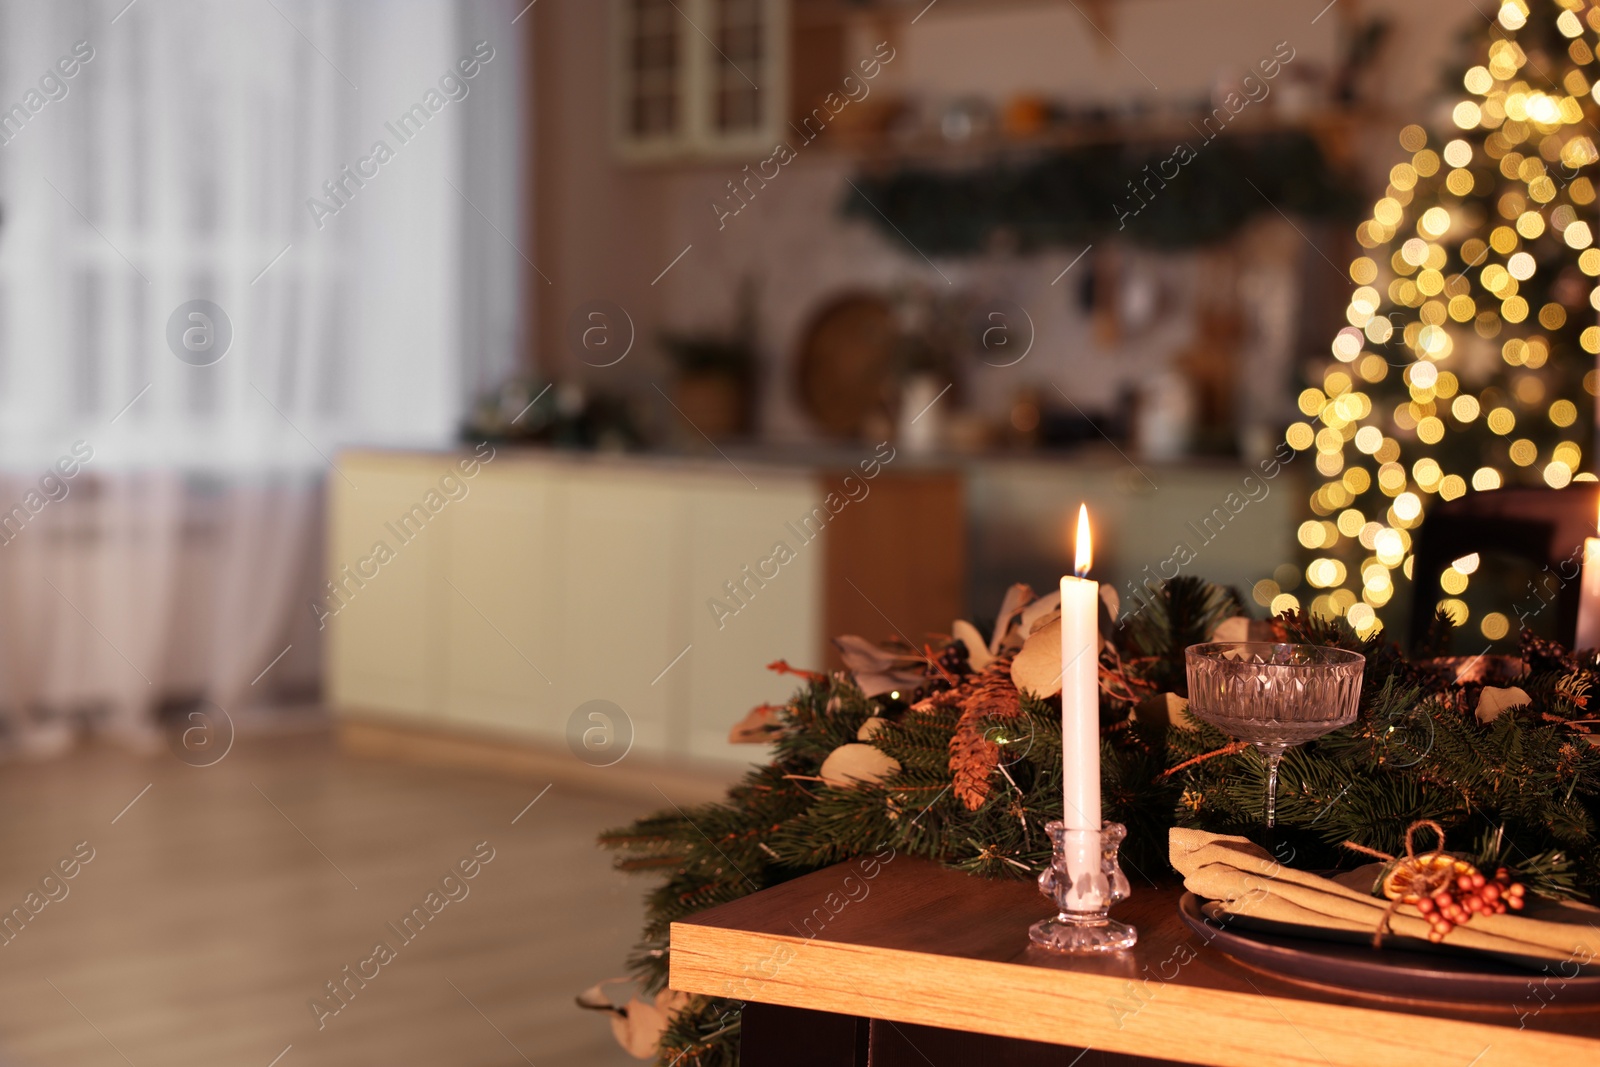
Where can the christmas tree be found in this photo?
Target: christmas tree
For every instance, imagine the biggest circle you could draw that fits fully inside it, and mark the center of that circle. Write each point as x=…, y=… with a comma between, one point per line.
x=1468, y=361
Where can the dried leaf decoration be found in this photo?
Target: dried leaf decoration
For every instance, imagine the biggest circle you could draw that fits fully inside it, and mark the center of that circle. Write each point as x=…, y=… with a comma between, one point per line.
x=1494, y=700
x=1017, y=597
x=1039, y=613
x=871, y=728
x=974, y=757
x=637, y=1025
x=758, y=727
x=977, y=652
x=594, y=998
x=1111, y=600
x=1037, y=668
x=880, y=670
x=1235, y=629
x=853, y=763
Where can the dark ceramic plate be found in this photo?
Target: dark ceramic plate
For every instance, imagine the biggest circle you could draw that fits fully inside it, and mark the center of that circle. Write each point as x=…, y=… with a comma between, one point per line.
x=1398, y=970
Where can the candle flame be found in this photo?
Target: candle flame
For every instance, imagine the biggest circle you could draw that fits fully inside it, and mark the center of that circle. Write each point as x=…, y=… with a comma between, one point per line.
x=1085, y=545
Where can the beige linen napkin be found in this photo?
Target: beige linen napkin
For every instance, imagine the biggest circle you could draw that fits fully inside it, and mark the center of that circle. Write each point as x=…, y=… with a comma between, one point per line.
x=1245, y=881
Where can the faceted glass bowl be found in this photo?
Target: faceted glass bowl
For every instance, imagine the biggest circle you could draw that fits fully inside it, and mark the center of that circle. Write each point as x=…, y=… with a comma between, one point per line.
x=1274, y=696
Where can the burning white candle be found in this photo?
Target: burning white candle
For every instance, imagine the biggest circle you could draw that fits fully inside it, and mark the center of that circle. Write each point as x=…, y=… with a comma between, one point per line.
x=1080, y=689
x=1588, y=635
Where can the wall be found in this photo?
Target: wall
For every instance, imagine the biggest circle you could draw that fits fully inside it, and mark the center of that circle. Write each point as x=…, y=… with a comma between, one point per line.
x=606, y=230
x=599, y=225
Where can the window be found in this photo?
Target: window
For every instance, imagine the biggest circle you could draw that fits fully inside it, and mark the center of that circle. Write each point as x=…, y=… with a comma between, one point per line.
x=222, y=155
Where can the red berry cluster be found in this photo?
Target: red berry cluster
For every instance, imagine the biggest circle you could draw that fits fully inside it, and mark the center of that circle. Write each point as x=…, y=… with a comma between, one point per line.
x=1471, y=893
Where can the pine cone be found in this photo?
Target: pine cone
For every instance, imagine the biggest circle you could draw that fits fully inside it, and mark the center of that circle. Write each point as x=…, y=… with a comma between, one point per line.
x=989, y=694
x=1545, y=655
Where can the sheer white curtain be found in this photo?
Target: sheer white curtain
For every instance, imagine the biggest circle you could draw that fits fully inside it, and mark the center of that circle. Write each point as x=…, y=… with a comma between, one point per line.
x=163, y=152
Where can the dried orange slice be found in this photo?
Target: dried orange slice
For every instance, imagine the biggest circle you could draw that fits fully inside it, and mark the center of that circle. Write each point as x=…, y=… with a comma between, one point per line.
x=1401, y=881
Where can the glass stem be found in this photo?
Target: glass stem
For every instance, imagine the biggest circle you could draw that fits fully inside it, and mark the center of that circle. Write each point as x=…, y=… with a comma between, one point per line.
x=1273, y=759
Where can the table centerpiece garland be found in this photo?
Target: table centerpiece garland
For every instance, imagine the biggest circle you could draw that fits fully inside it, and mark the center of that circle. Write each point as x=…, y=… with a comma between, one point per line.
x=947, y=752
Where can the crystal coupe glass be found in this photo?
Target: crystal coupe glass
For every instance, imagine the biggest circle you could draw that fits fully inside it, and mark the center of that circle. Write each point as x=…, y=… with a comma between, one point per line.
x=1274, y=696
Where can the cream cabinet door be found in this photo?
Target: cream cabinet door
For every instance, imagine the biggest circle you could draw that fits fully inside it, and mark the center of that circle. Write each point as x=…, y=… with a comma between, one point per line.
x=502, y=602
x=621, y=619
x=386, y=552
x=777, y=613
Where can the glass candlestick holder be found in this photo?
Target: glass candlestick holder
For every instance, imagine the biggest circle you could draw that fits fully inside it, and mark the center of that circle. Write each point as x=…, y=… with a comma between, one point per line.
x=1083, y=880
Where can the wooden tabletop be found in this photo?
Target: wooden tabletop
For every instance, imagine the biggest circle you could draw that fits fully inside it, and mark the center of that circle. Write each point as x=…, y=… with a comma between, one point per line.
x=916, y=943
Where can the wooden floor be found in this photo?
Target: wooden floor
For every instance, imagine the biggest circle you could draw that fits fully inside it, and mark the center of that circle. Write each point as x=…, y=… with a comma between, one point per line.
x=224, y=898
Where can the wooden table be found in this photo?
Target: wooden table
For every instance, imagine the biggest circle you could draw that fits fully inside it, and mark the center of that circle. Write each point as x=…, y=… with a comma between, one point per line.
x=916, y=964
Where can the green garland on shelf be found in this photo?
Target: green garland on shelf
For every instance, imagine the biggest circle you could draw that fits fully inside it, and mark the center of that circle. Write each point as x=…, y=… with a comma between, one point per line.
x=1524, y=787
x=1183, y=196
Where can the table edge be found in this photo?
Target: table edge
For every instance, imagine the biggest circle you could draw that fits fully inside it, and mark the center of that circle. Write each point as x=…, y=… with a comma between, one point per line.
x=1145, y=1016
